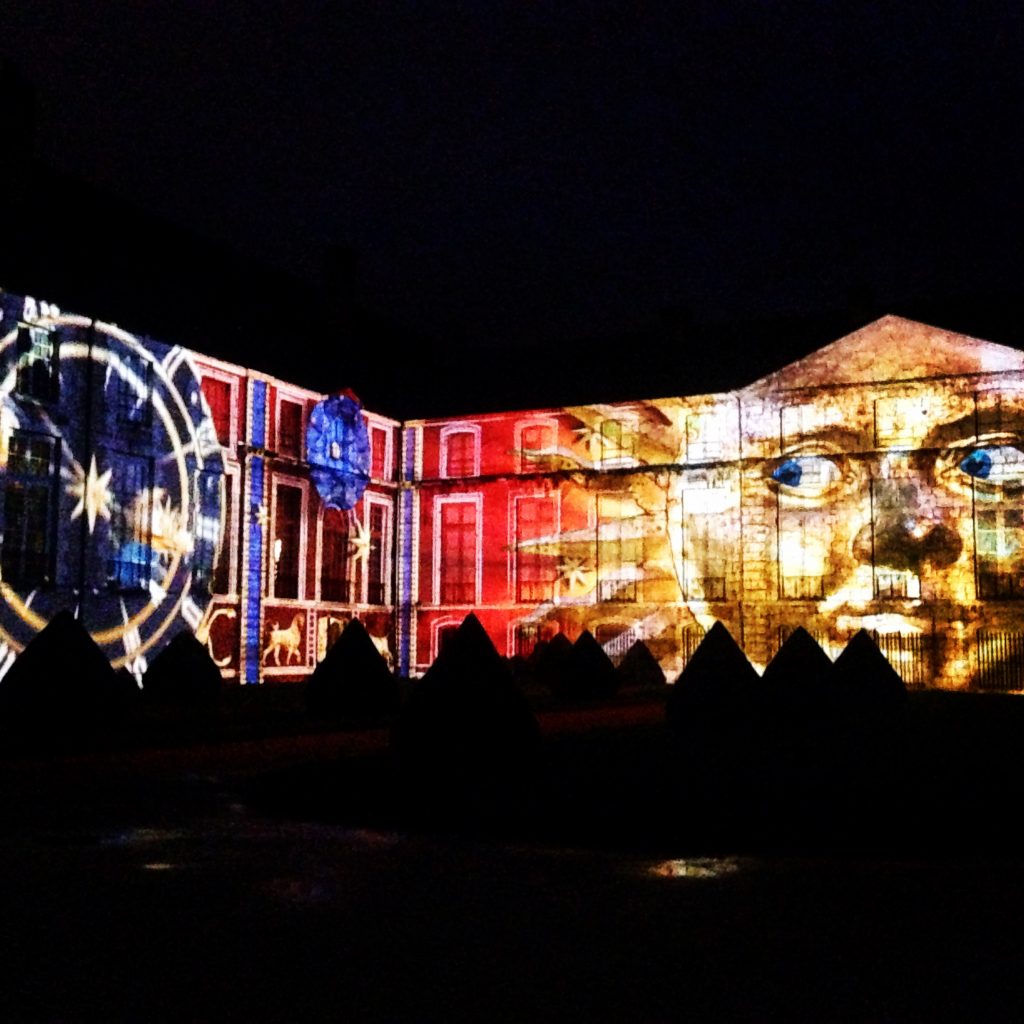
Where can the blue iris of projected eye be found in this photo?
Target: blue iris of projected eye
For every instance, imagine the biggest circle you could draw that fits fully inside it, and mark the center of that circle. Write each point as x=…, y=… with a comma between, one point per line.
x=978, y=464
x=789, y=473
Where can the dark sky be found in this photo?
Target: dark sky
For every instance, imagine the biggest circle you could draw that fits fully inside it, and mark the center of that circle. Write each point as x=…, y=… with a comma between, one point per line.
x=527, y=178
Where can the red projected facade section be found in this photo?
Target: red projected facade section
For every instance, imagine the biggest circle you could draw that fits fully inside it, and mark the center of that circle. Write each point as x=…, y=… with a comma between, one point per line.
x=875, y=484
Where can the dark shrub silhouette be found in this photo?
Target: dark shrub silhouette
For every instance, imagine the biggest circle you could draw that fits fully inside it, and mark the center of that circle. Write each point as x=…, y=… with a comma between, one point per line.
x=353, y=679
x=799, y=680
x=639, y=669
x=873, y=704
x=589, y=671
x=552, y=662
x=712, y=714
x=61, y=685
x=718, y=680
x=183, y=673
x=866, y=683
x=466, y=741
x=804, y=743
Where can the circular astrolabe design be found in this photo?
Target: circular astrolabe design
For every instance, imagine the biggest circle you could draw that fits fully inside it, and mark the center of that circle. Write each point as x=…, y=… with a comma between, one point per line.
x=141, y=583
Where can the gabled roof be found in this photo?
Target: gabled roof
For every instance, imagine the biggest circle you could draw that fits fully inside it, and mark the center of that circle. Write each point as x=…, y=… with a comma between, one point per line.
x=890, y=349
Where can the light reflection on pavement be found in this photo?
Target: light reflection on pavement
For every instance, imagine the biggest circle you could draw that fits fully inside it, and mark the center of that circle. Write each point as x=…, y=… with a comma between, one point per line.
x=171, y=898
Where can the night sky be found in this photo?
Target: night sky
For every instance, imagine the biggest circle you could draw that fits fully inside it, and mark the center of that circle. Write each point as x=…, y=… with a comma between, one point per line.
x=535, y=204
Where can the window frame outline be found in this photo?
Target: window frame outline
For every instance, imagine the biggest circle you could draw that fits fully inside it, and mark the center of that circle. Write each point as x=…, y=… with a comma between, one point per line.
x=288, y=480
x=448, y=431
x=477, y=500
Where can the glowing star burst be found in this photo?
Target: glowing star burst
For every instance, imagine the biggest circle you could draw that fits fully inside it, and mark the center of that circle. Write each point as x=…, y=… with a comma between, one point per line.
x=93, y=493
x=574, y=572
x=359, y=545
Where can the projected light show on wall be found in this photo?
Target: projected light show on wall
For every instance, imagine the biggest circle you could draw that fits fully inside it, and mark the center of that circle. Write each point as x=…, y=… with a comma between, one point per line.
x=874, y=484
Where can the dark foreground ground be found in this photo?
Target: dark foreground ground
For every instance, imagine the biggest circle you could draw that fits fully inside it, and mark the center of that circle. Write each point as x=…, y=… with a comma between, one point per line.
x=234, y=871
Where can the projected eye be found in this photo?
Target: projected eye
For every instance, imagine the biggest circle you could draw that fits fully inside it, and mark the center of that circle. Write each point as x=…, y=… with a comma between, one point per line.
x=997, y=464
x=805, y=476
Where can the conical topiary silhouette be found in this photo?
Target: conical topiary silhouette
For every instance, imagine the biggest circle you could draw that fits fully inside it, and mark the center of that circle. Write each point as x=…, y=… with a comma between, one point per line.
x=551, y=660
x=183, y=673
x=60, y=681
x=465, y=737
x=712, y=713
x=865, y=679
x=353, y=679
x=590, y=671
x=717, y=678
x=799, y=679
x=639, y=669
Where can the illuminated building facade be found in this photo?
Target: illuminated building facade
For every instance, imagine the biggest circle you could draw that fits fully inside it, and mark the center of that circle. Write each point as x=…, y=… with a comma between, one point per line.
x=876, y=483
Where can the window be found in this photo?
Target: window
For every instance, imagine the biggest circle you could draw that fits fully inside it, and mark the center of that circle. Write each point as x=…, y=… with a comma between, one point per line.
x=218, y=397
x=211, y=549
x=289, y=429
x=901, y=422
x=287, y=541
x=891, y=500
x=801, y=557
x=999, y=542
x=128, y=394
x=797, y=422
x=458, y=552
x=335, y=583
x=619, y=549
x=38, y=374
x=537, y=447
x=536, y=556
x=222, y=577
x=525, y=638
x=707, y=499
x=27, y=554
x=459, y=454
x=380, y=469
x=376, y=559
x=618, y=443
x=131, y=523
x=705, y=437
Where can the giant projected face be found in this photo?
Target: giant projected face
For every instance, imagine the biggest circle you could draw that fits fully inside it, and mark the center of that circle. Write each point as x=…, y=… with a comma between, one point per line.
x=889, y=499
x=112, y=483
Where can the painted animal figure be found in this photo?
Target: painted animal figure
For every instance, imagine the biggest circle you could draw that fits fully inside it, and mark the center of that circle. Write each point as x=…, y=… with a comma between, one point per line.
x=289, y=640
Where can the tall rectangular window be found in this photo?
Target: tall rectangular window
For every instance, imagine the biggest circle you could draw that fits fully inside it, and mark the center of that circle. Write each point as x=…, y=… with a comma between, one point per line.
x=27, y=553
x=218, y=397
x=127, y=394
x=619, y=550
x=208, y=543
x=708, y=542
x=131, y=523
x=376, y=558
x=289, y=429
x=287, y=541
x=618, y=443
x=335, y=582
x=38, y=368
x=458, y=552
x=380, y=470
x=222, y=582
x=536, y=557
x=892, y=500
x=801, y=556
x=999, y=542
x=459, y=454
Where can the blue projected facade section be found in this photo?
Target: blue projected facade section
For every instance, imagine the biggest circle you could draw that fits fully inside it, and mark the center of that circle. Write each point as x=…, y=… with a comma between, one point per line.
x=254, y=570
x=259, y=414
x=405, y=580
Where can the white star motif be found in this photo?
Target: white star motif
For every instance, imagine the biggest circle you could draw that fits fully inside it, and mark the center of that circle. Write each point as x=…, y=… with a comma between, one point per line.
x=359, y=544
x=573, y=571
x=93, y=493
